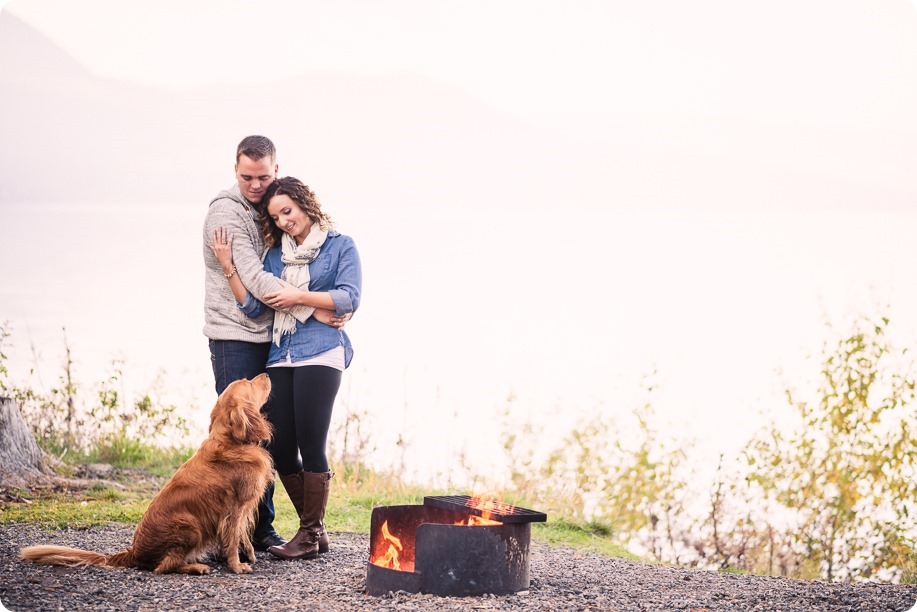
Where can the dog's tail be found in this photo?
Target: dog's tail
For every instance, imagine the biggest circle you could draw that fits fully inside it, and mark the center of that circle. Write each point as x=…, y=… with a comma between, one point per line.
x=74, y=557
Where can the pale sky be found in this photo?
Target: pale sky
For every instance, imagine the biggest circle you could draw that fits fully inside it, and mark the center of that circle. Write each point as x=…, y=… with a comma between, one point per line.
x=824, y=61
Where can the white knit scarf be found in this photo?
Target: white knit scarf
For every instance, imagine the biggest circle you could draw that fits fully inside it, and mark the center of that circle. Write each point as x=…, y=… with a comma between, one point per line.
x=296, y=259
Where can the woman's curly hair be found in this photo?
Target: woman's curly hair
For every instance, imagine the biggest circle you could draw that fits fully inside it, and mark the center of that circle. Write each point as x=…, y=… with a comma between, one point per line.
x=299, y=193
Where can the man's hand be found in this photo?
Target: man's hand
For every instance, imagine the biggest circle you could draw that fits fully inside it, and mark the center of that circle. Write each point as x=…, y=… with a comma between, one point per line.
x=328, y=318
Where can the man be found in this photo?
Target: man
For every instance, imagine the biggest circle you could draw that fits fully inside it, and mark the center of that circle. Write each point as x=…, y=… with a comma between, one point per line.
x=239, y=345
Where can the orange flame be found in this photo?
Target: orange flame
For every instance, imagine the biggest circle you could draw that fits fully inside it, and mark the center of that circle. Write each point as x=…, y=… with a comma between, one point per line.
x=477, y=520
x=487, y=505
x=390, y=558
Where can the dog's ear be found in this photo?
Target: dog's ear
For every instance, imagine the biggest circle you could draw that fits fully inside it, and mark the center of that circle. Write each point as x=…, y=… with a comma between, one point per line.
x=239, y=422
x=218, y=410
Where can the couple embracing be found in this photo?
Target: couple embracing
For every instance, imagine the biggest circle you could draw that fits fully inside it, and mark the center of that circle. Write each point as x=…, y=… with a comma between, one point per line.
x=283, y=313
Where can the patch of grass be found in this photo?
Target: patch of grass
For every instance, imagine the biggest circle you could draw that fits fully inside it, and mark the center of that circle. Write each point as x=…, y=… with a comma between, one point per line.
x=61, y=511
x=355, y=491
x=156, y=460
x=354, y=494
x=122, y=500
x=591, y=537
x=909, y=569
x=124, y=453
x=286, y=523
x=353, y=512
x=104, y=492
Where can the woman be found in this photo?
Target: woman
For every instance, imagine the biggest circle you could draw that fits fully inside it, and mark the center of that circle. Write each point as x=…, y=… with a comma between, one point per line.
x=317, y=268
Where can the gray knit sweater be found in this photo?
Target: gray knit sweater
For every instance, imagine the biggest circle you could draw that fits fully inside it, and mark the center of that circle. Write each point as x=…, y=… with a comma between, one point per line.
x=223, y=320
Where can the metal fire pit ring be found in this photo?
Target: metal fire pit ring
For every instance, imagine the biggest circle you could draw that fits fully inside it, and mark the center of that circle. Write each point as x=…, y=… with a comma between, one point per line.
x=449, y=559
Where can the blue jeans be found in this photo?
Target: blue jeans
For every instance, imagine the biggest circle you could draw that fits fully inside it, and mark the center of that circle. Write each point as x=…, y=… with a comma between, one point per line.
x=234, y=360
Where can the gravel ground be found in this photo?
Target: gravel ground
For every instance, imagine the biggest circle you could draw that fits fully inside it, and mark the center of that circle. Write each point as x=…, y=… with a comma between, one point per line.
x=562, y=579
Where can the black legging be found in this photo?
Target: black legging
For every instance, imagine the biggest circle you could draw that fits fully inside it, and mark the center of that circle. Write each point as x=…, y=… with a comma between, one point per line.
x=300, y=411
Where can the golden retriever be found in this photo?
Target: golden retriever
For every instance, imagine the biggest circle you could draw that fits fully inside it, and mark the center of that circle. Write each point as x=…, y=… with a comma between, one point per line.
x=208, y=506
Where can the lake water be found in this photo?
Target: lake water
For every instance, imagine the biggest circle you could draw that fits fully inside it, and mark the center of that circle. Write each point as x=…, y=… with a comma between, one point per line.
x=567, y=315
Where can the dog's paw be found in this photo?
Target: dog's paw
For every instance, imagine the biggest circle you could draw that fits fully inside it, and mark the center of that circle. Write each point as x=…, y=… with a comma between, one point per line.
x=182, y=568
x=242, y=568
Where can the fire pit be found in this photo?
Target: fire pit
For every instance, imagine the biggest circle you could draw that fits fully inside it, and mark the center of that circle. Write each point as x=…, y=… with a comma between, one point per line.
x=451, y=545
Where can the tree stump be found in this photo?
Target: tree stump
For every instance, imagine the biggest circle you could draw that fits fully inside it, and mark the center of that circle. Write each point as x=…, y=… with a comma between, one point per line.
x=21, y=460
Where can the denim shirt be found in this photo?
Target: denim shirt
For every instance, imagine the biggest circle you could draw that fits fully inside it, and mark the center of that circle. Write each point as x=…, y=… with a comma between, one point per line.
x=335, y=270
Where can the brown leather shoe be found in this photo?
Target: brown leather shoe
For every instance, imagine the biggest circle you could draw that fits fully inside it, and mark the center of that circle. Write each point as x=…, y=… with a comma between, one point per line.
x=304, y=545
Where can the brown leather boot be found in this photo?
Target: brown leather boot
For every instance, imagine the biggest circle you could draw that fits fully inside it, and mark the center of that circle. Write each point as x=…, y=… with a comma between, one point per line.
x=323, y=540
x=306, y=544
x=293, y=484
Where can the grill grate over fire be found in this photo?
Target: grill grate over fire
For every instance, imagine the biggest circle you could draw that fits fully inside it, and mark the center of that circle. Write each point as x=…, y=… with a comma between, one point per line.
x=487, y=509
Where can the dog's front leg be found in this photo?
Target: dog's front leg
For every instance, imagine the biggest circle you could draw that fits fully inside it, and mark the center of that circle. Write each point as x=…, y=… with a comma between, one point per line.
x=245, y=544
x=230, y=531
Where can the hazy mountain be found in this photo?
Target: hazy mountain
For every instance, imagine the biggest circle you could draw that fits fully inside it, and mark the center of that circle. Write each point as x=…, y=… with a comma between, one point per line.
x=36, y=57
x=72, y=136
x=407, y=141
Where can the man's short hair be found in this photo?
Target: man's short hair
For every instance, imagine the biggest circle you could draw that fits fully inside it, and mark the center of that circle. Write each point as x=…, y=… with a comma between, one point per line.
x=255, y=148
